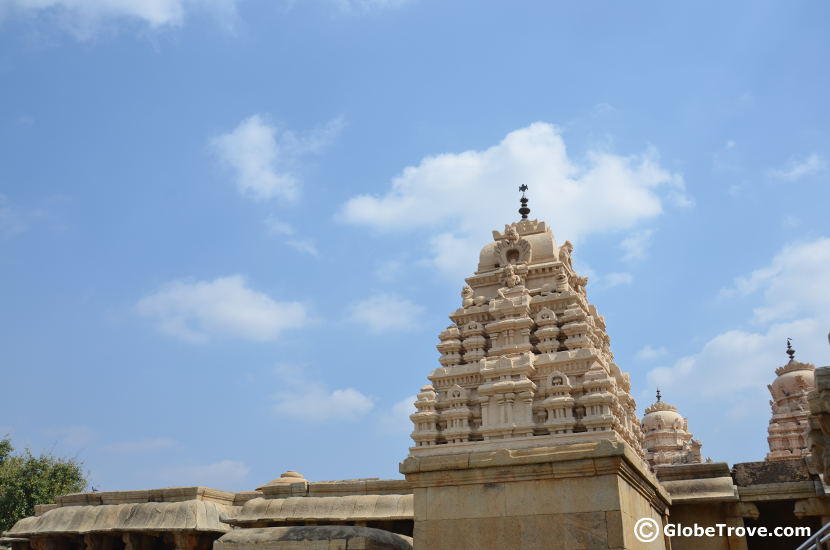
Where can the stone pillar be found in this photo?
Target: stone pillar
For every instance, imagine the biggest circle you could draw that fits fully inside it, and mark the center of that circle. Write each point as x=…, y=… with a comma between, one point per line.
x=93, y=541
x=582, y=495
x=735, y=514
x=186, y=541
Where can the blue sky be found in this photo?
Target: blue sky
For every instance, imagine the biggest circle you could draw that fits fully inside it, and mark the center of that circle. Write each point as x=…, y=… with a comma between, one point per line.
x=230, y=231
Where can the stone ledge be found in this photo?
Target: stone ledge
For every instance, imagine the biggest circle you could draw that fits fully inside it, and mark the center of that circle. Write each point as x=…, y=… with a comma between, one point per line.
x=594, y=458
x=167, y=494
x=673, y=472
x=778, y=491
x=343, y=537
x=687, y=491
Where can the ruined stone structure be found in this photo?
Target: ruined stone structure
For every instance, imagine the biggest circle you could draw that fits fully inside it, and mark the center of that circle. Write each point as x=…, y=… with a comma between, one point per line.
x=666, y=437
x=526, y=438
x=788, y=426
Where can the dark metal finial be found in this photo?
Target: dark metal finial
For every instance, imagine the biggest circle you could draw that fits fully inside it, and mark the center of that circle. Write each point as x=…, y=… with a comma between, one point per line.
x=790, y=350
x=658, y=395
x=524, y=210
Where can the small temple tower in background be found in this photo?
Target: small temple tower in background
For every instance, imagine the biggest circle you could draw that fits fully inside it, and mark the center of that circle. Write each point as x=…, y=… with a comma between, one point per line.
x=666, y=437
x=789, y=423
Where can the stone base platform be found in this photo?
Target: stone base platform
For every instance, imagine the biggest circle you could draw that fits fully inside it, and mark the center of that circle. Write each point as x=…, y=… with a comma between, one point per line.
x=580, y=496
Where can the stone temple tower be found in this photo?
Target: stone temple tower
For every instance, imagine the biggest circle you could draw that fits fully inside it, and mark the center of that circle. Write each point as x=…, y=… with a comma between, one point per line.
x=526, y=436
x=790, y=410
x=666, y=437
x=526, y=361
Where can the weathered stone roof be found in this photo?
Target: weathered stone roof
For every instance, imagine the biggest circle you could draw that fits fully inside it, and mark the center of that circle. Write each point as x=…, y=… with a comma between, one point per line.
x=339, y=508
x=190, y=515
x=348, y=536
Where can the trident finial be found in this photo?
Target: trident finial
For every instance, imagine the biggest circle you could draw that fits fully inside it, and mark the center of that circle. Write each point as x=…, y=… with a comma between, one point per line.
x=790, y=350
x=524, y=210
x=658, y=395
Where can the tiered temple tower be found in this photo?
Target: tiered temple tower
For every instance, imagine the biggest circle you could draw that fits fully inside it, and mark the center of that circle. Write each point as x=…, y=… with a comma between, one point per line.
x=527, y=434
x=789, y=423
x=527, y=358
x=666, y=437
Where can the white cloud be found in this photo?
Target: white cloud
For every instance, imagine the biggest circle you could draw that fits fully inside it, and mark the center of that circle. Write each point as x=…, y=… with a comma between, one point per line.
x=799, y=168
x=386, y=313
x=396, y=420
x=649, y=353
x=636, y=245
x=251, y=150
x=461, y=196
x=224, y=307
x=141, y=445
x=225, y=474
x=85, y=18
x=724, y=384
x=310, y=401
x=264, y=159
x=794, y=284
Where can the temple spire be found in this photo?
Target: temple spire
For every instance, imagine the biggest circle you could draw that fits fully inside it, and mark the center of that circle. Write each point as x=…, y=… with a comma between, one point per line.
x=524, y=210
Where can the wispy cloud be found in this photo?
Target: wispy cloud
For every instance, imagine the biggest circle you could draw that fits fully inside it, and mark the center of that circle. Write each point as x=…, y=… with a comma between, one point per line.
x=793, y=284
x=141, y=445
x=264, y=159
x=225, y=307
x=306, y=246
x=603, y=281
x=15, y=219
x=362, y=6
x=636, y=245
x=73, y=436
x=800, y=168
x=12, y=220
x=649, y=353
x=85, y=19
x=386, y=313
x=389, y=270
x=279, y=228
x=396, y=420
x=310, y=401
